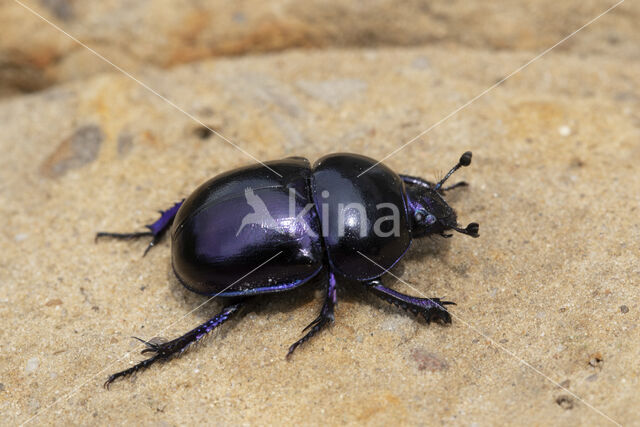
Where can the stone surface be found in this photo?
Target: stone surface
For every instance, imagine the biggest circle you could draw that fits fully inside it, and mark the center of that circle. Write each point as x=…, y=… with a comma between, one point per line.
x=554, y=185
x=165, y=33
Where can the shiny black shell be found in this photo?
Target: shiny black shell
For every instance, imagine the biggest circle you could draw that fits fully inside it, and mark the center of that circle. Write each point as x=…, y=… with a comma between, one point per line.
x=213, y=253
x=209, y=256
x=350, y=251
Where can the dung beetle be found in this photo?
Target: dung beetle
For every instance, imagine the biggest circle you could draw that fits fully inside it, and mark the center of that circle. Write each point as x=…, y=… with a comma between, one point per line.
x=260, y=230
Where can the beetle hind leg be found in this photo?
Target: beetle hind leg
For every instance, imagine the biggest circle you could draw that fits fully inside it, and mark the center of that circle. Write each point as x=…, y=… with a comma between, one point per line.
x=166, y=350
x=431, y=309
x=156, y=230
x=325, y=318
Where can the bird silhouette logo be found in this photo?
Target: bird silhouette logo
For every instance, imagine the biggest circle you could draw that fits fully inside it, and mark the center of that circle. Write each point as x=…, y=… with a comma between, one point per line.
x=260, y=214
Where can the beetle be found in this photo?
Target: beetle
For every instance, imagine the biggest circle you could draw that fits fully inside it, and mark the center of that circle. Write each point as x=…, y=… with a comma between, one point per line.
x=260, y=230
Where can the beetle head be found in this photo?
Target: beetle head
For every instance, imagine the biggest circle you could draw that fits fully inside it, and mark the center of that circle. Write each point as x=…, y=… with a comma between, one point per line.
x=430, y=213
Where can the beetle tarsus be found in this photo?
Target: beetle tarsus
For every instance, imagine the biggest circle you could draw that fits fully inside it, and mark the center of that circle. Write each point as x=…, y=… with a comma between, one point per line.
x=156, y=229
x=314, y=327
x=142, y=365
x=152, y=243
x=177, y=346
x=123, y=236
x=326, y=315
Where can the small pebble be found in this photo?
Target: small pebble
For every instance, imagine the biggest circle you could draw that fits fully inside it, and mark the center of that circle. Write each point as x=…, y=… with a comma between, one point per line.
x=32, y=365
x=624, y=309
x=565, y=402
x=595, y=360
x=564, y=130
x=203, y=132
x=592, y=377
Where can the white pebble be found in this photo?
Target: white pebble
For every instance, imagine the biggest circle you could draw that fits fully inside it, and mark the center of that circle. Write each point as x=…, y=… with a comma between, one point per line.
x=564, y=130
x=32, y=365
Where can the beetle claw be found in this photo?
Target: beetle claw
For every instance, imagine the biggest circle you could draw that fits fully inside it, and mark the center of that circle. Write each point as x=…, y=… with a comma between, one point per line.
x=437, y=313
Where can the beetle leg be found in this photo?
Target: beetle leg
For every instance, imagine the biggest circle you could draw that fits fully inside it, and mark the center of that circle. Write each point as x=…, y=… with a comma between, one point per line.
x=413, y=180
x=156, y=229
x=456, y=185
x=326, y=315
x=429, y=308
x=164, y=351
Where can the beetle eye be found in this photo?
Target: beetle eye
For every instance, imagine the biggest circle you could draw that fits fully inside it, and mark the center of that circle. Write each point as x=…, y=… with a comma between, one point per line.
x=422, y=216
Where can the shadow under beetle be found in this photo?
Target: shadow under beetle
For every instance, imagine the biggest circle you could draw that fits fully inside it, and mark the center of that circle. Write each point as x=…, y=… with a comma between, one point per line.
x=298, y=222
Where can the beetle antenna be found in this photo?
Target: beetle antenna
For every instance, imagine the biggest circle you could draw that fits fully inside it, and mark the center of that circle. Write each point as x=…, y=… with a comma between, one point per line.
x=465, y=160
x=470, y=230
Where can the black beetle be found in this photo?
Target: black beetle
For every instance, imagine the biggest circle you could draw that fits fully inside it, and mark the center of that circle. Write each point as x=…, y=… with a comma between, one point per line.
x=348, y=215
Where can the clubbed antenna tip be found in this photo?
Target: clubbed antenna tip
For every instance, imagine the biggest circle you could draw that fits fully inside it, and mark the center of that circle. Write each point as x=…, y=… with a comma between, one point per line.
x=465, y=160
x=470, y=230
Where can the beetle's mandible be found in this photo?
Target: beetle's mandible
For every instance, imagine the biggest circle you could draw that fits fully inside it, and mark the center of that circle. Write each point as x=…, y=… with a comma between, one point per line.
x=330, y=217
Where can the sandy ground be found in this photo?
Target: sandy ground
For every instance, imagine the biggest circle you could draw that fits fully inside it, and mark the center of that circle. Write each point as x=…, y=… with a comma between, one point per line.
x=546, y=326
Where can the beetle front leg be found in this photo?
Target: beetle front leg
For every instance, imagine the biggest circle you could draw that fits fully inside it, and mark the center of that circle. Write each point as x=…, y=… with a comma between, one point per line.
x=164, y=351
x=326, y=315
x=429, y=308
x=414, y=180
x=156, y=230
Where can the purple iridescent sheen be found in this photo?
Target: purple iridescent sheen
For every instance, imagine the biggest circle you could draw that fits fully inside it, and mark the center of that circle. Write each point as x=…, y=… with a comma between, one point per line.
x=214, y=247
x=166, y=217
x=425, y=303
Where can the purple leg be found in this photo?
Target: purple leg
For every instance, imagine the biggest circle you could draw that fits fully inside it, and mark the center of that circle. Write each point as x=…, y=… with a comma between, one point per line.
x=156, y=230
x=429, y=308
x=424, y=183
x=326, y=315
x=164, y=351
